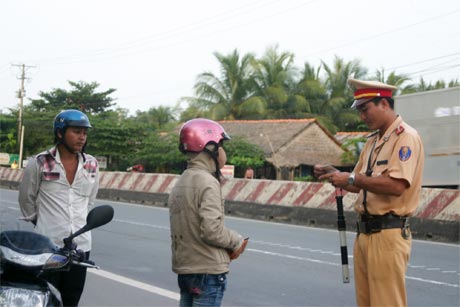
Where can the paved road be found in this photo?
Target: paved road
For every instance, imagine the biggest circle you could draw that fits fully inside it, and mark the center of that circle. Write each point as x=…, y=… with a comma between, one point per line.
x=284, y=265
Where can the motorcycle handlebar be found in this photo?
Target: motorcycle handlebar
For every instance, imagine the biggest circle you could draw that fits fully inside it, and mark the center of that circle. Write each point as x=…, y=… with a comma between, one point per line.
x=86, y=263
x=78, y=257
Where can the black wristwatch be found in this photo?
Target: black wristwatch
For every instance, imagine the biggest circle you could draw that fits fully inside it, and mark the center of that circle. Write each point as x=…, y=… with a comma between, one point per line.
x=351, y=179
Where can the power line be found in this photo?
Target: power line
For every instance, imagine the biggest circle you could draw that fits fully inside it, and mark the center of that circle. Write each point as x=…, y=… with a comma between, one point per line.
x=424, y=61
x=434, y=69
x=115, y=51
x=385, y=33
x=246, y=9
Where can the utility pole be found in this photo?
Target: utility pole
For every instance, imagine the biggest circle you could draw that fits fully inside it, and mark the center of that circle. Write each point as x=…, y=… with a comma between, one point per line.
x=21, y=95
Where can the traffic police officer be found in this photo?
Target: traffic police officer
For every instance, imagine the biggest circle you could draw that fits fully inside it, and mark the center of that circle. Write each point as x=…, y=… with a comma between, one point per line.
x=388, y=178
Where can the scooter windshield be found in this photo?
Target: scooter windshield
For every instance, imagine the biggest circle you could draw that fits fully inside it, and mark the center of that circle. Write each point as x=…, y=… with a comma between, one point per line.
x=26, y=248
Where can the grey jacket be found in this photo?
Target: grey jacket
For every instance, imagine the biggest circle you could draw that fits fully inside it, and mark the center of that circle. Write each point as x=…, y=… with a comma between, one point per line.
x=199, y=239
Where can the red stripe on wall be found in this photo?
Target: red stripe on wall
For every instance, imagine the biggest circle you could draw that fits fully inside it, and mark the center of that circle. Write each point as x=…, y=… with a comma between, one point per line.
x=252, y=197
x=101, y=177
x=330, y=202
x=150, y=183
x=280, y=194
x=121, y=184
x=19, y=176
x=231, y=195
x=307, y=194
x=11, y=174
x=3, y=171
x=111, y=181
x=165, y=184
x=134, y=186
x=439, y=203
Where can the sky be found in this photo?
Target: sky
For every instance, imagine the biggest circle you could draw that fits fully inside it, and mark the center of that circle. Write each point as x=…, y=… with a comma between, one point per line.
x=152, y=51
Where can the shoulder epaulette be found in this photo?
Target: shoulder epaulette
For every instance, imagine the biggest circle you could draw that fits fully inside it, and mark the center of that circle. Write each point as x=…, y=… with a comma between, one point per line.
x=399, y=130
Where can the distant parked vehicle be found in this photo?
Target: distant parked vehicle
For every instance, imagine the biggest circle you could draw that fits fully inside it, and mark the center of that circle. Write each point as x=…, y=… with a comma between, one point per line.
x=436, y=116
x=138, y=168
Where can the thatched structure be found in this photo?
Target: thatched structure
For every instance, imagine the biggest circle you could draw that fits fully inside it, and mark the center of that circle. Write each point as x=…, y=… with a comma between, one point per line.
x=289, y=144
x=342, y=137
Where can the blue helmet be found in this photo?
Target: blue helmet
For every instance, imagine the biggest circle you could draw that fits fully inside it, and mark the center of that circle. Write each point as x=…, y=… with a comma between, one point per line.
x=69, y=118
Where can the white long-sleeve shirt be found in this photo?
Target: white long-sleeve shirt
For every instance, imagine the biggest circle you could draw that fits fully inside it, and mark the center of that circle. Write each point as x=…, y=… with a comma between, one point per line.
x=59, y=209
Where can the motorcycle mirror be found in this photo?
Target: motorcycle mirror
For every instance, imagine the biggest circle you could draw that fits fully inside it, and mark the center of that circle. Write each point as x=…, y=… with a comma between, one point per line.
x=97, y=217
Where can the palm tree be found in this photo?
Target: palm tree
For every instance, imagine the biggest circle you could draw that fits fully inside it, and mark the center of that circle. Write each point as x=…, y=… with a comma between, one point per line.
x=226, y=96
x=274, y=76
x=312, y=88
x=453, y=83
x=396, y=80
x=156, y=118
x=337, y=106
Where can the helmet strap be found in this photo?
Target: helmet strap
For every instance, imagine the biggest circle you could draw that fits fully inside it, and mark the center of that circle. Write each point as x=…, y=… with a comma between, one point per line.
x=214, y=153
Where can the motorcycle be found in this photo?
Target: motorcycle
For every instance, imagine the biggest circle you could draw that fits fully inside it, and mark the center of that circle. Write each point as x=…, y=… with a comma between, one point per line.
x=27, y=257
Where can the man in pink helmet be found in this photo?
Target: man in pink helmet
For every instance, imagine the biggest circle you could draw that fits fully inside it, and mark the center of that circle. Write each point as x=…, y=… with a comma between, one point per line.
x=202, y=247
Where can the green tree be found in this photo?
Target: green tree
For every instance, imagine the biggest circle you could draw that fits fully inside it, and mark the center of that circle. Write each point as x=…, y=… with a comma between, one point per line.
x=82, y=96
x=116, y=137
x=439, y=84
x=396, y=80
x=337, y=106
x=352, y=149
x=221, y=97
x=38, y=116
x=312, y=88
x=38, y=131
x=453, y=83
x=243, y=154
x=192, y=112
x=276, y=85
x=157, y=118
x=160, y=153
x=8, y=133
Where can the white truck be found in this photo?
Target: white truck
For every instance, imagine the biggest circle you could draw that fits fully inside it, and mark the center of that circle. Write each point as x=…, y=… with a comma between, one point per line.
x=436, y=116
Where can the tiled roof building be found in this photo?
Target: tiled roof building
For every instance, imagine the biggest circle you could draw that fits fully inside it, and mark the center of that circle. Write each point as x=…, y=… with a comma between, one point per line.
x=289, y=144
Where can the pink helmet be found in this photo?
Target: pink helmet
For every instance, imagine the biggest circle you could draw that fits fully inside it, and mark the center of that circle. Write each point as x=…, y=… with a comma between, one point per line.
x=197, y=133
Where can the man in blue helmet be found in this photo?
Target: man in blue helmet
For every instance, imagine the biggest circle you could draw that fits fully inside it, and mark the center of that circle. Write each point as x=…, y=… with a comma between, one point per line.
x=57, y=188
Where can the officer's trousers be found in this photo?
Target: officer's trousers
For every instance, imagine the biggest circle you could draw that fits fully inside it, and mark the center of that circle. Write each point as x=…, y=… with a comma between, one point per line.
x=380, y=263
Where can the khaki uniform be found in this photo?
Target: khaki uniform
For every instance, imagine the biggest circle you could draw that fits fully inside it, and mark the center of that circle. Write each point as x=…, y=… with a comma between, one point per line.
x=380, y=259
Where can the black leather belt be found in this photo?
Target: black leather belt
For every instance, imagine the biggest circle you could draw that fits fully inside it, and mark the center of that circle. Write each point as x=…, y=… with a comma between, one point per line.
x=369, y=224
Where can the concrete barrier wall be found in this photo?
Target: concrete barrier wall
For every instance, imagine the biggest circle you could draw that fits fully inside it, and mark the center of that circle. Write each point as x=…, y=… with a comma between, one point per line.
x=440, y=204
x=284, y=201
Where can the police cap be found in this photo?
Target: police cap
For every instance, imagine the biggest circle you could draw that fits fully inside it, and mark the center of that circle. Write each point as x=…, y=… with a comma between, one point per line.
x=365, y=91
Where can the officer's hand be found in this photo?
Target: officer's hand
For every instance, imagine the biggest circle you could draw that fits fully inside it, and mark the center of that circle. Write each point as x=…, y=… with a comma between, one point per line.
x=235, y=254
x=320, y=170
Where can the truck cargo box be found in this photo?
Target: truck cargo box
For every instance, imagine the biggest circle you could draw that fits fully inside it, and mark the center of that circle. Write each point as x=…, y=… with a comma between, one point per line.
x=436, y=117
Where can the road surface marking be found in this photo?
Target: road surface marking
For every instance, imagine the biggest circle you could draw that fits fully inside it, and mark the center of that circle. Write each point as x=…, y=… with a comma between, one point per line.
x=136, y=284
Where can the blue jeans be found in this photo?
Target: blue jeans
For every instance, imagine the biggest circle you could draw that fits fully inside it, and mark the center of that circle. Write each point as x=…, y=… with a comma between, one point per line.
x=201, y=289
